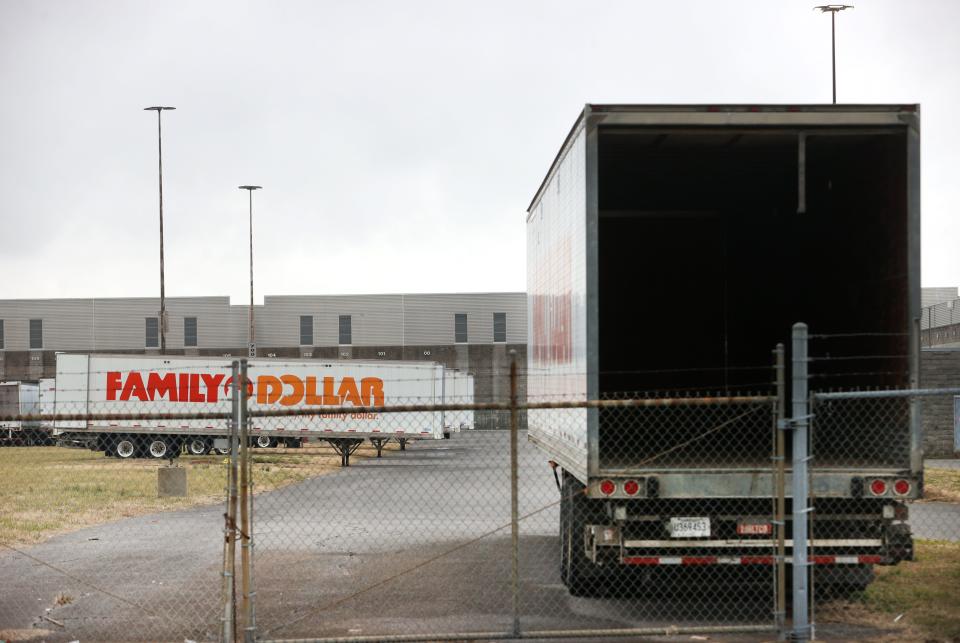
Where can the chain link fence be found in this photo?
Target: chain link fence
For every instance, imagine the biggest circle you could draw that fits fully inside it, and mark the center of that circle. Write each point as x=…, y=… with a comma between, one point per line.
x=644, y=514
x=945, y=313
x=117, y=538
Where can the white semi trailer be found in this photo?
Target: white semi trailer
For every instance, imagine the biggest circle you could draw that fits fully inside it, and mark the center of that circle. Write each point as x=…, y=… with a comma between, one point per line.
x=19, y=398
x=670, y=248
x=148, y=387
x=457, y=389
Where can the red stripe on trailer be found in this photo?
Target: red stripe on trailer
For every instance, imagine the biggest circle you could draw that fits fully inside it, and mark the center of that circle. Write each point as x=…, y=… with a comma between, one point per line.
x=185, y=426
x=641, y=560
x=136, y=425
x=871, y=559
x=698, y=560
x=756, y=560
x=824, y=560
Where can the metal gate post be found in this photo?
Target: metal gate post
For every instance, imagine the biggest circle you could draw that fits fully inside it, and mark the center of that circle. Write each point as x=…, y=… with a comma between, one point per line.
x=228, y=620
x=514, y=508
x=246, y=500
x=799, y=478
x=779, y=494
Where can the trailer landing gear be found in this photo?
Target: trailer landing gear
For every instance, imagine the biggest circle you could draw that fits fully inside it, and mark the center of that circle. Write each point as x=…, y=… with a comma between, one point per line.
x=378, y=445
x=345, y=448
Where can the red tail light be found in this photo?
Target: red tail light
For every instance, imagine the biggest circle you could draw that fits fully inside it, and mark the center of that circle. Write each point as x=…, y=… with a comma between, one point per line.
x=878, y=487
x=631, y=487
x=901, y=487
x=607, y=487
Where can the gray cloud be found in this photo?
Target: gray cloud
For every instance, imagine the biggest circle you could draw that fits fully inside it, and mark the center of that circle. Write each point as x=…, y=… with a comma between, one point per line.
x=398, y=143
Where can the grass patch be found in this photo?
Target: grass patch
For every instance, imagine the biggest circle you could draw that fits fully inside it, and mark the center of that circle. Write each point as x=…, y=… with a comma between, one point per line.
x=50, y=490
x=923, y=591
x=941, y=484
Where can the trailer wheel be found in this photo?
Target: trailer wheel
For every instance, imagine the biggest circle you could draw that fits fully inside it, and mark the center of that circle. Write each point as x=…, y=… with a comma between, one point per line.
x=158, y=448
x=265, y=442
x=123, y=448
x=574, y=565
x=198, y=446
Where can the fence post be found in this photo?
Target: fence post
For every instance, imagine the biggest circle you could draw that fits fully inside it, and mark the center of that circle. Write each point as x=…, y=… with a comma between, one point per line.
x=246, y=499
x=514, y=508
x=780, y=491
x=228, y=620
x=799, y=478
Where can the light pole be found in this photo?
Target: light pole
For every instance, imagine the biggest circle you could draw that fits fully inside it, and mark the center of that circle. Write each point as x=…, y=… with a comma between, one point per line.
x=833, y=10
x=162, y=322
x=252, y=342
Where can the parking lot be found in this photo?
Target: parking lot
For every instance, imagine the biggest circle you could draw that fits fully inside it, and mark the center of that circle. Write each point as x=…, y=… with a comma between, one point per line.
x=417, y=542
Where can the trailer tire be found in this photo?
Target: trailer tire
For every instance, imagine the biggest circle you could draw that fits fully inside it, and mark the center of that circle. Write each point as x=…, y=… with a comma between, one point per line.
x=199, y=446
x=575, y=569
x=124, y=448
x=265, y=442
x=293, y=443
x=158, y=449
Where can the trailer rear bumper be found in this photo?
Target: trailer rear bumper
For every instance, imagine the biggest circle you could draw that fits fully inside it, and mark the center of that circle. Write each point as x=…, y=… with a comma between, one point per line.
x=861, y=559
x=604, y=546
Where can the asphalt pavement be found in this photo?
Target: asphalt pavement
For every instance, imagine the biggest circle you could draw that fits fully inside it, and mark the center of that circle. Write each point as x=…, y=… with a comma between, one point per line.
x=415, y=543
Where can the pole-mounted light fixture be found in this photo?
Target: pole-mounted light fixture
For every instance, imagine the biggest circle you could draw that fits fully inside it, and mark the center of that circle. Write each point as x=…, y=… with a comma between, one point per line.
x=833, y=10
x=162, y=322
x=251, y=337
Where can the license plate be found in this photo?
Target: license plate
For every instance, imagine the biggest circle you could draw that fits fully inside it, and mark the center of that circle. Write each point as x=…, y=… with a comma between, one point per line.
x=689, y=527
x=754, y=528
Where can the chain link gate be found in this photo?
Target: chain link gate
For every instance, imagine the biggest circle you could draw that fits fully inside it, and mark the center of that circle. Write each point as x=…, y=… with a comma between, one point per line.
x=473, y=537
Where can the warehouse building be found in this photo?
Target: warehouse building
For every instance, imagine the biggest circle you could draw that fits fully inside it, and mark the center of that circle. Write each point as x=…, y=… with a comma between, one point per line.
x=473, y=332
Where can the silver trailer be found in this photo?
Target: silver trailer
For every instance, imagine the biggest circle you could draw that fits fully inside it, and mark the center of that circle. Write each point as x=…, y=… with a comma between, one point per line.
x=670, y=248
x=20, y=398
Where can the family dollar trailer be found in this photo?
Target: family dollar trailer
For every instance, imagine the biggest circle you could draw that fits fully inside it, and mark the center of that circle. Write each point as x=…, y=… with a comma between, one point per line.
x=669, y=249
x=148, y=387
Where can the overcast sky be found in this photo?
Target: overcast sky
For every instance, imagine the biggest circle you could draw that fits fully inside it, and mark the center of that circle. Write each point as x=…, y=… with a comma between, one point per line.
x=398, y=143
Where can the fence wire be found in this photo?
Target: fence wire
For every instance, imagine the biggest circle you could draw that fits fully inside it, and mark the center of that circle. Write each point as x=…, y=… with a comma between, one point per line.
x=640, y=515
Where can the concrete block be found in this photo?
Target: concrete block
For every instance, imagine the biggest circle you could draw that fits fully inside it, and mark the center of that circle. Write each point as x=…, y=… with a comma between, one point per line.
x=171, y=482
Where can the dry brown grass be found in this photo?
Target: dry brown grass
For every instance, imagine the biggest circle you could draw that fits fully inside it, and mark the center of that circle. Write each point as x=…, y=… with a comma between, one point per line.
x=913, y=601
x=50, y=490
x=881, y=626
x=941, y=484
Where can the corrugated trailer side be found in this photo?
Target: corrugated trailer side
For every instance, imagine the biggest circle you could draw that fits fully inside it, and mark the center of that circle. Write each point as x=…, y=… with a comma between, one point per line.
x=557, y=302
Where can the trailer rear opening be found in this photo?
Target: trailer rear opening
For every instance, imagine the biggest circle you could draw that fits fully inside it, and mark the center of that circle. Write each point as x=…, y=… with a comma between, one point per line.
x=705, y=263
